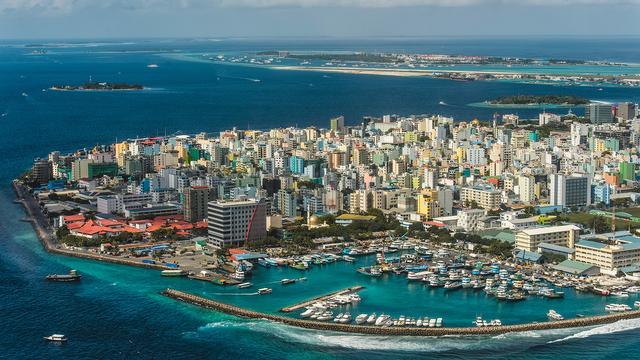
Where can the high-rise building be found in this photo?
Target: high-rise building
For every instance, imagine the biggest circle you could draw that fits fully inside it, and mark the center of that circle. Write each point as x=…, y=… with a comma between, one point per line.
x=234, y=223
x=337, y=124
x=569, y=191
x=195, y=202
x=526, y=184
x=626, y=111
x=41, y=171
x=599, y=113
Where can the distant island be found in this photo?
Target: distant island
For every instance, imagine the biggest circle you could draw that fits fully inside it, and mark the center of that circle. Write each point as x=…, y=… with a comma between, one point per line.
x=539, y=99
x=98, y=86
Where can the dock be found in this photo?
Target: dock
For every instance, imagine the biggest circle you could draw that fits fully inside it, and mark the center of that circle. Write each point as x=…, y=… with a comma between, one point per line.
x=217, y=279
x=394, y=331
x=306, y=303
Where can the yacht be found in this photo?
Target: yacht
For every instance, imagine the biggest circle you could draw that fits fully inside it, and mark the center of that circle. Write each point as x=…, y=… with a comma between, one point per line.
x=307, y=313
x=327, y=315
x=346, y=318
x=617, y=307
x=620, y=294
x=372, y=318
x=360, y=319
x=382, y=320
x=633, y=289
x=348, y=258
x=338, y=318
x=636, y=303
x=553, y=315
x=56, y=338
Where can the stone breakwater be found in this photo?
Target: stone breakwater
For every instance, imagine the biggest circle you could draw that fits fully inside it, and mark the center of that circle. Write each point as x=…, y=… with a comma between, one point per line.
x=49, y=240
x=375, y=330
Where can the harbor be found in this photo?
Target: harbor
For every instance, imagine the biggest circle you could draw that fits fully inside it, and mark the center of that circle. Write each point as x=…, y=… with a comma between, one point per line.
x=411, y=331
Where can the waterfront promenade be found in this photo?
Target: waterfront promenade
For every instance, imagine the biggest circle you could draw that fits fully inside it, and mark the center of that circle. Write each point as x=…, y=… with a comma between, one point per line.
x=50, y=242
x=408, y=331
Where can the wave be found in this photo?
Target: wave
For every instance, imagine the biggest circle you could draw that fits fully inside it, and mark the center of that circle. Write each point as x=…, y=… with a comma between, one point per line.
x=619, y=326
x=515, y=341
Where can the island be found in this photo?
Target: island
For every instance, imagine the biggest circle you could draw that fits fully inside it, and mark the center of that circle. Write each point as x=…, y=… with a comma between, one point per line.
x=103, y=86
x=539, y=100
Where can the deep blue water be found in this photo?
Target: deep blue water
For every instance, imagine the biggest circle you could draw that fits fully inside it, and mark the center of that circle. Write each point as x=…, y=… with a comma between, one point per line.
x=116, y=312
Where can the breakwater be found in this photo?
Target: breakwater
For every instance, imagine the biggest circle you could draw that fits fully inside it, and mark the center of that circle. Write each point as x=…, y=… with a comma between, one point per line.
x=49, y=240
x=321, y=298
x=375, y=330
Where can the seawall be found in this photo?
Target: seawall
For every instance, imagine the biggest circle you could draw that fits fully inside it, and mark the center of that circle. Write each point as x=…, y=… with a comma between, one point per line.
x=49, y=240
x=375, y=330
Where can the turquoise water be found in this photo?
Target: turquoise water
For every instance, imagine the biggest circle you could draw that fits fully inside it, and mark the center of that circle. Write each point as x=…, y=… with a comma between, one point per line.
x=116, y=312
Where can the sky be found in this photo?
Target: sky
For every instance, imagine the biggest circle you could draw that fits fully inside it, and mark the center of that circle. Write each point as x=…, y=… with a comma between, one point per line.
x=75, y=19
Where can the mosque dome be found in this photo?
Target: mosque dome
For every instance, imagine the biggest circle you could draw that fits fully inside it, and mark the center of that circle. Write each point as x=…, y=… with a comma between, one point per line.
x=314, y=220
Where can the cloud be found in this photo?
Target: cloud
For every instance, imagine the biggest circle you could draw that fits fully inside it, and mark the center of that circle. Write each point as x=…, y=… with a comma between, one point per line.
x=53, y=7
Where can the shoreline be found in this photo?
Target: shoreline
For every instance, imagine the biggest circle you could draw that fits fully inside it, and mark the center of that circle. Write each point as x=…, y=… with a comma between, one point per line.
x=396, y=331
x=49, y=241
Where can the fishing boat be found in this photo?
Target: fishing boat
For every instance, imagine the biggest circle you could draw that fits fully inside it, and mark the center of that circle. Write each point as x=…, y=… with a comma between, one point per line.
x=245, y=285
x=71, y=276
x=553, y=315
x=56, y=338
x=264, y=291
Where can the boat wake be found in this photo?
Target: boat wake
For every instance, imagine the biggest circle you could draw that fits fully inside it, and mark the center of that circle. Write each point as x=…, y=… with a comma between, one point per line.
x=622, y=325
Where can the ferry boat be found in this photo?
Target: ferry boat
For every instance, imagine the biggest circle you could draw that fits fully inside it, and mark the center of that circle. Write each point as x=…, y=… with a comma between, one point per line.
x=71, y=276
x=418, y=275
x=173, y=273
x=56, y=338
x=553, y=315
x=264, y=291
x=245, y=285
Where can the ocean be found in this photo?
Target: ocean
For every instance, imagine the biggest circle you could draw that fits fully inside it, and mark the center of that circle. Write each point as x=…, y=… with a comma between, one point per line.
x=116, y=312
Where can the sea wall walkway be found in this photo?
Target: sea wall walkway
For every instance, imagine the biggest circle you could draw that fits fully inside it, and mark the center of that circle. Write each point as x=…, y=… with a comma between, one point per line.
x=375, y=330
x=49, y=240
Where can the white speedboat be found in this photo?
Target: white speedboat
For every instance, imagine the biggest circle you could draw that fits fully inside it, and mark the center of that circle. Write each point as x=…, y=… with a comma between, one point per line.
x=553, y=315
x=338, y=318
x=56, y=338
x=346, y=318
x=372, y=318
x=245, y=285
x=620, y=294
x=360, y=319
x=263, y=291
x=307, y=313
x=382, y=320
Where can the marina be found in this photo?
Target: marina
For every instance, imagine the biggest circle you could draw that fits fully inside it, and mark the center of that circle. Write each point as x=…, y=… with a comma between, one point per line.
x=306, y=303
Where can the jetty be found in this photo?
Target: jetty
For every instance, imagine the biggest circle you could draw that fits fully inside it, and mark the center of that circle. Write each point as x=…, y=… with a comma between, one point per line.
x=386, y=331
x=50, y=242
x=306, y=303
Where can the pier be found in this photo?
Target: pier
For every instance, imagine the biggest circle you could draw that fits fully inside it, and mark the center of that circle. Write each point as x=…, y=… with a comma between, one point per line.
x=306, y=303
x=408, y=331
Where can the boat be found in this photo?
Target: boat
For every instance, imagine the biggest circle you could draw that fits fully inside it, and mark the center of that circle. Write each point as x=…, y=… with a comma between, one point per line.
x=173, y=273
x=152, y=66
x=338, y=318
x=348, y=258
x=287, y=281
x=633, y=289
x=382, y=320
x=263, y=291
x=56, y=338
x=372, y=318
x=238, y=275
x=346, y=318
x=553, y=315
x=245, y=285
x=620, y=294
x=308, y=312
x=71, y=276
x=452, y=285
x=617, y=307
x=442, y=103
x=328, y=315
x=263, y=262
x=360, y=319
x=439, y=322
x=370, y=271
x=636, y=303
